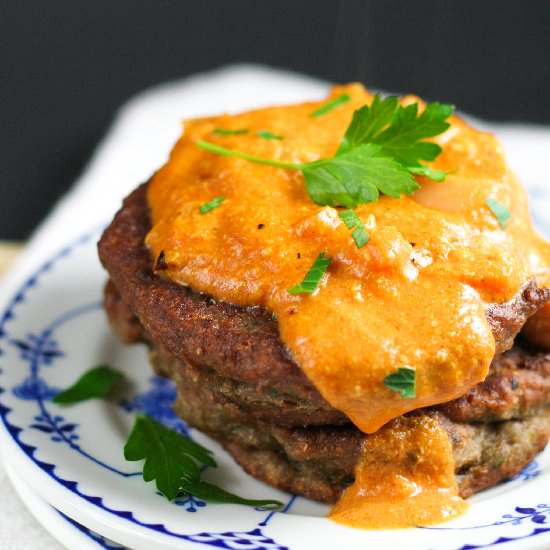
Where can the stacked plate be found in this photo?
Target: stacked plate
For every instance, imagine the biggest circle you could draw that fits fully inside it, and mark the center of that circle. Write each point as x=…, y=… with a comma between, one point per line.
x=67, y=463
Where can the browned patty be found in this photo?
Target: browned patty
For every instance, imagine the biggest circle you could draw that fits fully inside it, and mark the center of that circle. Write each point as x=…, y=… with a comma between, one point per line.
x=518, y=384
x=319, y=461
x=237, y=382
x=238, y=343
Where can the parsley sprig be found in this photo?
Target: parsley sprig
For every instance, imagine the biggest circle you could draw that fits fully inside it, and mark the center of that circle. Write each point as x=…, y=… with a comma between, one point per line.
x=175, y=463
x=381, y=152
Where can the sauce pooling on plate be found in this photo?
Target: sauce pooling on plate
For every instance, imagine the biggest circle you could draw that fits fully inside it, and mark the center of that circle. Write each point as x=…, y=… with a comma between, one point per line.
x=414, y=297
x=405, y=477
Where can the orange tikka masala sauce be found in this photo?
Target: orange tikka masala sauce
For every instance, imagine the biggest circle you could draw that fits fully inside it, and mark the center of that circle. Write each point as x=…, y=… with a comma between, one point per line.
x=414, y=296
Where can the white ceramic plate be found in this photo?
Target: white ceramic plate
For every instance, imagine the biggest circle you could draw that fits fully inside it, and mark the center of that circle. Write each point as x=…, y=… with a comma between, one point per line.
x=53, y=329
x=67, y=531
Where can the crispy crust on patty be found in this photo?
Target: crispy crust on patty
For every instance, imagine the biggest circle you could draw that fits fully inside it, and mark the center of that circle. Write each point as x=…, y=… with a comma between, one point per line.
x=319, y=461
x=238, y=383
x=517, y=386
x=238, y=343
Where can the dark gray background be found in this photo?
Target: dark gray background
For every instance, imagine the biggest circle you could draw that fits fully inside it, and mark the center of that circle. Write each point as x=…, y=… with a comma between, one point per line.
x=66, y=65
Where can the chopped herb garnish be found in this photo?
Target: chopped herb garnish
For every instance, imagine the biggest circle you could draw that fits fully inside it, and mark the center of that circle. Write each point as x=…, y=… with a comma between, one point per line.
x=313, y=276
x=435, y=175
x=380, y=153
x=330, y=105
x=175, y=463
x=399, y=130
x=211, y=204
x=266, y=134
x=352, y=221
x=94, y=383
x=230, y=132
x=502, y=214
x=403, y=381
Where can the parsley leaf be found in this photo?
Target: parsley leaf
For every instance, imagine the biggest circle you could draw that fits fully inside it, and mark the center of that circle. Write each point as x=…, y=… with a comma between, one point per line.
x=356, y=177
x=398, y=129
x=211, y=204
x=175, y=463
x=402, y=138
x=229, y=131
x=368, y=121
x=266, y=134
x=502, y=214
x=379, y=153
x=330, y=105
x=94, y=383
x=313, y=276
x=403, y=381
x=352, y=221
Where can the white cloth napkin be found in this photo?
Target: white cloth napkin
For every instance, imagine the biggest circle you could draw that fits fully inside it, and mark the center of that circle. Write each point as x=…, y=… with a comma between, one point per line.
x=139, y=142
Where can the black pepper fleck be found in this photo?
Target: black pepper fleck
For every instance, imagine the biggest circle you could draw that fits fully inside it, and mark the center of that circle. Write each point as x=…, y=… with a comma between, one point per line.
x=261, y=226
x=161, y=264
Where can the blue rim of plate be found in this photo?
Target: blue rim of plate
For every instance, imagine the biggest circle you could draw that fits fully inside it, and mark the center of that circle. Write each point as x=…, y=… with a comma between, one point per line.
x=538, y=514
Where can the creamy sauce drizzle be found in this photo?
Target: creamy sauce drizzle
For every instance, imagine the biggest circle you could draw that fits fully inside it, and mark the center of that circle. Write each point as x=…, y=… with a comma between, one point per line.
x=405, y=477
x=414, y=296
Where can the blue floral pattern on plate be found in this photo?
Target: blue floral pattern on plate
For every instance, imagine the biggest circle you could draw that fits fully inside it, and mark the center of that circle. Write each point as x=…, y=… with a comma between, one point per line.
x=41, y=349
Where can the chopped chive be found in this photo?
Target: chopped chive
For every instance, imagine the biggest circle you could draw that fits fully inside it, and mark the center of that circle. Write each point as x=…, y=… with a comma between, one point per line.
x=211, y=204
x=266, y=134
x=230, y=132
x=352, y=221
x=435, y=175
x=224, y=151
x=330, y=105
x=502, y=214
x=313, y=276
x=403, y=381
